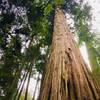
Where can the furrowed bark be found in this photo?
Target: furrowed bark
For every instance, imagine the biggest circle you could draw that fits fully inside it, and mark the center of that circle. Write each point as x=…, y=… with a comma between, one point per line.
x=66, y=76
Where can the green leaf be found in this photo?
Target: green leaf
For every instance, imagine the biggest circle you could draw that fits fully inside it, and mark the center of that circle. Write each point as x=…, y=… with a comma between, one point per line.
x=48, y=9
x=59, y=2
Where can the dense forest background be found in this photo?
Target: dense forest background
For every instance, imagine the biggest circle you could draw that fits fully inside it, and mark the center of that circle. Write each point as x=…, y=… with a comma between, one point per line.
x=26, y=28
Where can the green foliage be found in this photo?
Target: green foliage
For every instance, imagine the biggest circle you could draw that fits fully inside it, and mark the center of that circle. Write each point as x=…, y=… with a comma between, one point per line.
x=59, y=2
x=48, y=9
x=10, y=65
x=29, y=29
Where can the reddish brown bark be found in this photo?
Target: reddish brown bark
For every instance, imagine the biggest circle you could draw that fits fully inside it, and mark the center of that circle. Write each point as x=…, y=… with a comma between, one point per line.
x=65, y=76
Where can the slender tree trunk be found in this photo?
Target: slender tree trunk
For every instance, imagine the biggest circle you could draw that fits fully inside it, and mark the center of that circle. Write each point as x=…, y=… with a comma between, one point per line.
x=28, y=81
x=26, y=92
x=17, y=97
x=65, y=76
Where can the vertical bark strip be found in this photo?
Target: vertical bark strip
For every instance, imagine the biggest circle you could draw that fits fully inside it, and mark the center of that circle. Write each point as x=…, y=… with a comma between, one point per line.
x=65, y=76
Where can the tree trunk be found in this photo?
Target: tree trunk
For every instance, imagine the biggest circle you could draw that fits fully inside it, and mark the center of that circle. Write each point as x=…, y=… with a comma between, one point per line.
x=66, y=76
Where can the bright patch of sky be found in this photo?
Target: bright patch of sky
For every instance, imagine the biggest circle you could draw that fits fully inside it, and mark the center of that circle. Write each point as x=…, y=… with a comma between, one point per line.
x=84, y=53
x=33, y=86
x=95, y=4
